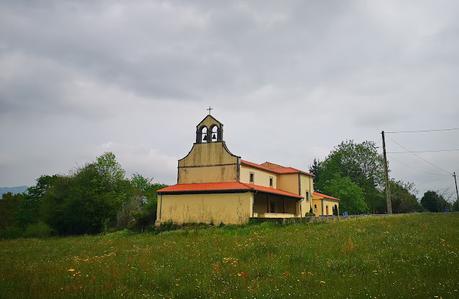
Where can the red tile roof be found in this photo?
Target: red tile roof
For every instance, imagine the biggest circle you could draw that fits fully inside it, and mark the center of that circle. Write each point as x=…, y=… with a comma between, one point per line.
x=203, y=187
x=324, y=196
x=222, y=187
x=272, y=191
x=274, y=168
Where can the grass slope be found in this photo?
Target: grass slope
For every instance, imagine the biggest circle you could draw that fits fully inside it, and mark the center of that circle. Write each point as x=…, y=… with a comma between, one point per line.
x=392, y=257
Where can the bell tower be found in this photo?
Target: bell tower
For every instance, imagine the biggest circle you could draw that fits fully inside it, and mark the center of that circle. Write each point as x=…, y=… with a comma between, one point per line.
x=209, y=130
x=209, y=160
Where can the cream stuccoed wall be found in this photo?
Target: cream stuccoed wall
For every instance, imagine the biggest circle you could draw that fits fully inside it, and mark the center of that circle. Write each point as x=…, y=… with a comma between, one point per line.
x=317, y=206
x=208, y=163
x=227, y=208
x=307, y=190
x=324, y=202
x=260, y=177
x=289, y=183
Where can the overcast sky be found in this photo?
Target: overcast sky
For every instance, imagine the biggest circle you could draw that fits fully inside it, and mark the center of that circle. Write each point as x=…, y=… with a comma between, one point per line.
x=289, y=79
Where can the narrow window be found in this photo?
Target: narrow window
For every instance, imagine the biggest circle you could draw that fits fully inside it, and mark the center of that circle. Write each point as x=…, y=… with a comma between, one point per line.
x=307, y=195
x=270, y=182
x=252, y=177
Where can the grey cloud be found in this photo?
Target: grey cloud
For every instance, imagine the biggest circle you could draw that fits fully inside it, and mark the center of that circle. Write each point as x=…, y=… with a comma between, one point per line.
x=137, y=75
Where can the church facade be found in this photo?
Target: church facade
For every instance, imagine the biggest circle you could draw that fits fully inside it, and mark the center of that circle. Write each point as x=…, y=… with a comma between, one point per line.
x=216, y=186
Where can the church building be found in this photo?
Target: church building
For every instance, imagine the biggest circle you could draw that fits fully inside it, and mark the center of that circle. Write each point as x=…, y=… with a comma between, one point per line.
x=216, y=186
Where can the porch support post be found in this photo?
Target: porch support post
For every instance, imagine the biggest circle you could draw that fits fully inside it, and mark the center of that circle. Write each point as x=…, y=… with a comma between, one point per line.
x=252, y=201
x=267, y=204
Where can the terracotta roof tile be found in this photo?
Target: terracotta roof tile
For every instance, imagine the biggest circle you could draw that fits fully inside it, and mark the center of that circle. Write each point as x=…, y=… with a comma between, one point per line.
x=324, y=196
x=224, y=186
x=272, y=190
x=275, y=168
x=204, y=187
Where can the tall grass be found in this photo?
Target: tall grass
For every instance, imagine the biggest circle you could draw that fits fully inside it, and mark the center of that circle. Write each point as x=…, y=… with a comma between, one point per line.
x=390, y=257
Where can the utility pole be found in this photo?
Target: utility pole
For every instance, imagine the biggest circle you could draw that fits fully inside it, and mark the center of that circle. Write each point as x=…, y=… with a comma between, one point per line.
x=455, y=182
x=386, y=172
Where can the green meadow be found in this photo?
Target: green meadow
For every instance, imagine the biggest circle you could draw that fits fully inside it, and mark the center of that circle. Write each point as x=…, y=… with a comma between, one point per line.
x=401, y=256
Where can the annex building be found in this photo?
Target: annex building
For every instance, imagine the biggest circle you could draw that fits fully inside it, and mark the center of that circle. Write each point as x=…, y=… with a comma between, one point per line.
x=216, y=186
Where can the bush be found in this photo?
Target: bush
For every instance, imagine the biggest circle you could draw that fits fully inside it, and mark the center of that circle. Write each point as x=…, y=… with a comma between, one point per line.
x=12, y=232
x=38, y=230
x=126, y=217
x=167, y=226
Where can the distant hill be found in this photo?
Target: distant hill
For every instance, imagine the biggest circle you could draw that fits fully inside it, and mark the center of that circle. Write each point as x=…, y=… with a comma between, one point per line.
x=14, y=190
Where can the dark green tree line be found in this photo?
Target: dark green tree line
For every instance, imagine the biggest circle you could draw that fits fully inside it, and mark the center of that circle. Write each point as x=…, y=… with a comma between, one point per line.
x=354, y=172
x=91, y=200
x=435, y=202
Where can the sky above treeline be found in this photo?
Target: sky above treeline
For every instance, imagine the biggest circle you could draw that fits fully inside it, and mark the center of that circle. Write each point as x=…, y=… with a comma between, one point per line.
x=289, y=79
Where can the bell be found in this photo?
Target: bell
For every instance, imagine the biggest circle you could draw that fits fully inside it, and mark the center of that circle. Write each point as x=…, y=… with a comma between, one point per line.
x=204, y=137
x=214, y=136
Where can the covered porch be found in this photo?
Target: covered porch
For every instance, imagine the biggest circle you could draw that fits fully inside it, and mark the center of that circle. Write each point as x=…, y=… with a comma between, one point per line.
x=273, y=206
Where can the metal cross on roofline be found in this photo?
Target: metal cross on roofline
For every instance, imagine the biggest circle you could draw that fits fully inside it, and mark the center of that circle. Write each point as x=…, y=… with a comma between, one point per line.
x=210, y=109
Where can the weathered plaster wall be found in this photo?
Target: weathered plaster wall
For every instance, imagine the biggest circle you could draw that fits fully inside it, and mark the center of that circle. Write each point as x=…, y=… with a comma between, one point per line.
x=261, y=177
x=288, y=182
x=208, y=163
x=227, y=208
x=306, y=191
x=317, y=201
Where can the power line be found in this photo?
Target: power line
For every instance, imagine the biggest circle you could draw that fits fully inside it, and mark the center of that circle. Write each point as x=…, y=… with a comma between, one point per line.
x=427, y=151
x=411, y=168
x=423, y=131
x=421, y=158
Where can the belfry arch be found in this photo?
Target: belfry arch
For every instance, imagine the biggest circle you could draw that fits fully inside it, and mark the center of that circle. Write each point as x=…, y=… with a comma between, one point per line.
x=202, y=134
x=209, y=130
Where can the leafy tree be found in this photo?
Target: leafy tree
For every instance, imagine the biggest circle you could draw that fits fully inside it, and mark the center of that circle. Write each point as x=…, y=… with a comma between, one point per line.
x=9, y=206
x=109, y=168
x=434, y=202
x=29, y=208
x=88, y=201
x=403, y=198
x=315, y=170
x=350, y=194
x=455, y=206
x=361, y=163
x=145, y=201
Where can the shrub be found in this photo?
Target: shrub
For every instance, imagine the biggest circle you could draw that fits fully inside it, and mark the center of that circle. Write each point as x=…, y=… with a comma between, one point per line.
x=167, y=226
x=38, y=230
x=11, y=232
x=126, y=217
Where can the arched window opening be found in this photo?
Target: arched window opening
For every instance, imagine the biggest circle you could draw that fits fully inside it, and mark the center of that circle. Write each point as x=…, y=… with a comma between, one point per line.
x=204, y=137
x=214, y=133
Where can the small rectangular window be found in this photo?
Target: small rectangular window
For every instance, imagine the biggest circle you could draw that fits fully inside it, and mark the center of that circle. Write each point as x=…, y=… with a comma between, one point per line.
x=252, y=177
x=270, y=182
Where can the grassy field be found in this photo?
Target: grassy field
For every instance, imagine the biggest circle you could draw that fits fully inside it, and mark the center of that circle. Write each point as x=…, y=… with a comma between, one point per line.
x=375, y=257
